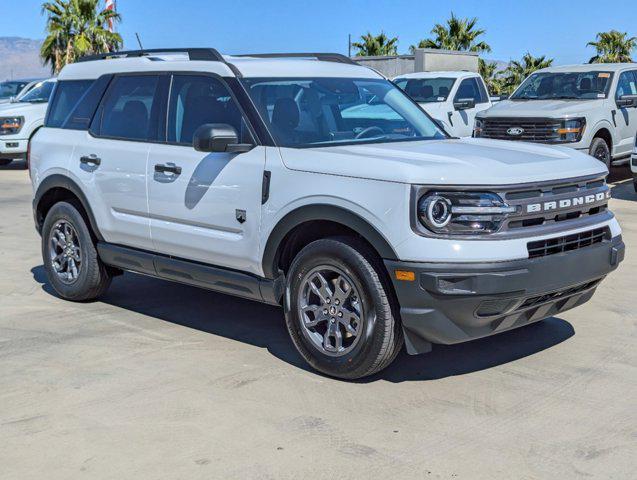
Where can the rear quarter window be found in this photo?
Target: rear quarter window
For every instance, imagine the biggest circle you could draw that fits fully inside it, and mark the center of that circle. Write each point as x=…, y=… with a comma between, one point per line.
x=65, y=98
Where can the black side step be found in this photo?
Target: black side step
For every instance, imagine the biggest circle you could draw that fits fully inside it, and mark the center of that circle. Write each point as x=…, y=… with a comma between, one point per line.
x=192, y=273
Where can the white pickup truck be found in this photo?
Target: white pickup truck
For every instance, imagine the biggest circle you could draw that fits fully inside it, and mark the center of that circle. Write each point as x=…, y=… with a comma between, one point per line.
x=452, y=98
x=592, y=108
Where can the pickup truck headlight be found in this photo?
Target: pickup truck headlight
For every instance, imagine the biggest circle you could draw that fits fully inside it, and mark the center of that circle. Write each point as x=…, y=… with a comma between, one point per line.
x=477, y=127
x=571, y=131
x=463, y=213
x=10, y=125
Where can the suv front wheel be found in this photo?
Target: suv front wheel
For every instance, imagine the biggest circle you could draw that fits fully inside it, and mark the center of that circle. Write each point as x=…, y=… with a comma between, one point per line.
x=339, y=309
x=70, y=257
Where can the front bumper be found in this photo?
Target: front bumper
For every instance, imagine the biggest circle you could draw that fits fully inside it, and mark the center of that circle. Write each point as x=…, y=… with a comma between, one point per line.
x=453, y=303
x=13, y=148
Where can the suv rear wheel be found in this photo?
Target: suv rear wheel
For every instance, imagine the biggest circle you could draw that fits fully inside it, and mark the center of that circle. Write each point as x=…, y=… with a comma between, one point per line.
x=339, y=309
x=70, y=257
x=601, y=151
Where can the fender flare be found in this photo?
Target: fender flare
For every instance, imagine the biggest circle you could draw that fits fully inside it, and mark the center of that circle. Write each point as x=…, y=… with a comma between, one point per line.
x=61, y=181
x=321, y=212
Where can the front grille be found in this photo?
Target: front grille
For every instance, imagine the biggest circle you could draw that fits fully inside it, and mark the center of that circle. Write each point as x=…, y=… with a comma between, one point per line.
x=553, y=246
x=550, y=297
x=533, y=130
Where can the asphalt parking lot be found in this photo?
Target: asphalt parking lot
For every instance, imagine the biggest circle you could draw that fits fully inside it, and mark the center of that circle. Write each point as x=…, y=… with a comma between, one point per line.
x=160, y=380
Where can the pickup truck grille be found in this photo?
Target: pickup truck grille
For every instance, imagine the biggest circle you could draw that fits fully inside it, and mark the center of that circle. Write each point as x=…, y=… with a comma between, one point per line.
x=532, y=130
x=553, y=246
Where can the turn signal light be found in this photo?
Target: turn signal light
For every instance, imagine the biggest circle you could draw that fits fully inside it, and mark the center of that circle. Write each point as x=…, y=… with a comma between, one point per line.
x=405, y=275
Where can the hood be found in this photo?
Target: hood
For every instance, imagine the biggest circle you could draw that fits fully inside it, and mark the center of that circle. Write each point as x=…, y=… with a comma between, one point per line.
x=21, y=109
x=542, y=108
x=471, y=161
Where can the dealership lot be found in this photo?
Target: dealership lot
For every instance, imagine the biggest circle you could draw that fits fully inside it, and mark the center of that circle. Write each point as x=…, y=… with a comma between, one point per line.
x=160, y=380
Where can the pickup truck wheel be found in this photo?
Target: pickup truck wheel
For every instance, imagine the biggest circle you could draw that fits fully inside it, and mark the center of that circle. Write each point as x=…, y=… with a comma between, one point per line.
x=70, y=257
x=339, y=311
x=600, y=150
x=5, y=161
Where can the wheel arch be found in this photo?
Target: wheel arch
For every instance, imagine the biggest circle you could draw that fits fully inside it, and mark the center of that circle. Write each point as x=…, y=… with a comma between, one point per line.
x=56, y=188
x=320, y=213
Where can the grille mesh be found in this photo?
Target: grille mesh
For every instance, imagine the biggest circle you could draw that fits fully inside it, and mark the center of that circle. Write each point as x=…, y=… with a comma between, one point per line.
x=552, y=246
x=540, y=130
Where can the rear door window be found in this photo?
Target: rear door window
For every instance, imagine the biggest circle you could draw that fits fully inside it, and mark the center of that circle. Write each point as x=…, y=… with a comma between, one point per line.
x=470, y=88
x=131, y=109
x=627, y=84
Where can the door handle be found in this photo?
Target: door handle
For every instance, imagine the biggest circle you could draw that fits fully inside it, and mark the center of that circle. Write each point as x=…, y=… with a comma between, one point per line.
x=168, y=169
x=91, y=160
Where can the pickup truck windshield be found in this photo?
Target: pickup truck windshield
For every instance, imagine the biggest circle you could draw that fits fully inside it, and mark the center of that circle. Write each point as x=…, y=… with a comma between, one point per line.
x=10, y=89
x=566, y=86
x=39, y=94
x=313, y=112
x=426, y=90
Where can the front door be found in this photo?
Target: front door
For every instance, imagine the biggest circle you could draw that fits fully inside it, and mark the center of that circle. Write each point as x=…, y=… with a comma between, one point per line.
x=462, y=120
x=205, y=207
x=626, y=118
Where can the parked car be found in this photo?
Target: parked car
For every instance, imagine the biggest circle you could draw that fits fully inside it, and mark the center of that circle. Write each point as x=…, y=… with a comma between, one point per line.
x=451, y=98
x=12, y=89
x=311, y=182
x=589, y=107
x=20, y=120
x=633, y=165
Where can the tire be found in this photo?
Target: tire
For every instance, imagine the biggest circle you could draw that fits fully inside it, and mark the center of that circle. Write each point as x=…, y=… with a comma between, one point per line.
x=601, y=151
x=378, y=334
x=5, y=161
x=92, y=278
x=635, y=185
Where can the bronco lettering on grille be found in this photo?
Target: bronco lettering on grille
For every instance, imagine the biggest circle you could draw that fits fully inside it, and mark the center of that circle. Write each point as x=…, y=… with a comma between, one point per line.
x=568, y=202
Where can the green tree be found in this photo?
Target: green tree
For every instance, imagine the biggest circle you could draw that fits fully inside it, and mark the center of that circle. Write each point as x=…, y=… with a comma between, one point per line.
x=517, y=71
x=76, y=28
x=376, y=45
x=613, y=47
x=458, y=34
x=492, y=77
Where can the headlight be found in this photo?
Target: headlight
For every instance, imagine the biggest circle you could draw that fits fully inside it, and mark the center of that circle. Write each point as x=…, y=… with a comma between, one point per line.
x=477, y=127
x=10, y=125
x=463, y=213
x=571, y=130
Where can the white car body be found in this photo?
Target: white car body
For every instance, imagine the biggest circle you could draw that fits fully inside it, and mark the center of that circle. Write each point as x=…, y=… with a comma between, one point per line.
x=633, y=164
x=173, y=211
x=14, y=146
x=603, y=117
x=458, y=122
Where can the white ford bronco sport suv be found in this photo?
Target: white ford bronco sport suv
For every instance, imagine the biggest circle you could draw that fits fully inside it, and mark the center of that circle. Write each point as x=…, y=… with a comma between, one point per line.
x=21, y=119
x=309, y=181
x=452, y=98
x=592, y=108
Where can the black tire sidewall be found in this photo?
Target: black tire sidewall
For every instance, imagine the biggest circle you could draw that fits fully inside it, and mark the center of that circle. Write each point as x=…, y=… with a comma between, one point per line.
x=85, y=282
x=597, y=143
x=356, y=362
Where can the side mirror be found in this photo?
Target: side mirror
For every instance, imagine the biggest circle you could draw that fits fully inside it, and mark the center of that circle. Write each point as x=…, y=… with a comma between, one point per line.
x=627, y=101
x=219, y=137
x=464, y=103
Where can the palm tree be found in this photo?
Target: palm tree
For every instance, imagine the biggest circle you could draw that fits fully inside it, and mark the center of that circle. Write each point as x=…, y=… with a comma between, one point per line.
x=517, y=71
x=492, y=76
x=613, y=47
x=376, y=45
x=458, y=34
x=76, y=28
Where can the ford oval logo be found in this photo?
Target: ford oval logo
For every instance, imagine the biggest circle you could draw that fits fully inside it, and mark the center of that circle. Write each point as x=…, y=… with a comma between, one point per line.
x=515, y=131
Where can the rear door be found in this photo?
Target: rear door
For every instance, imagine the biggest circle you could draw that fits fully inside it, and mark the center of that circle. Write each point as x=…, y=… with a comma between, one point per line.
x=205, y=206
x=626, y=118
x=463, y=120
x=111, y=159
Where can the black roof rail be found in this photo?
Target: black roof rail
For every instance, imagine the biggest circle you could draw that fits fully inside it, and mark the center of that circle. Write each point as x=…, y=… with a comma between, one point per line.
x=324, y=57
x=204, y=54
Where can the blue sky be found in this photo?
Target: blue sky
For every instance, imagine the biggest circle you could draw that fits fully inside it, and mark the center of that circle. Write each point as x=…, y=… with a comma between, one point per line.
x=559, y=29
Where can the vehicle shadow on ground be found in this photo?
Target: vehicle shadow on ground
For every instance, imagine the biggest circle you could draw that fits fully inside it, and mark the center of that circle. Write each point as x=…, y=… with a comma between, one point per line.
x=262, y=326
x=15, y=165
x=624, y=190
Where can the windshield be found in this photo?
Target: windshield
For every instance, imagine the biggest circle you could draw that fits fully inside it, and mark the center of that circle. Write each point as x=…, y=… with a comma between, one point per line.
x=39, y=94
x=426, y=90
x=305, y=112
x=10, y=89
x=569, y=85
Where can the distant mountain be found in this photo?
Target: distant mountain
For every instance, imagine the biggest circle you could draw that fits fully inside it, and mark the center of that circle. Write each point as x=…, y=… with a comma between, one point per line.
x=20, y=58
